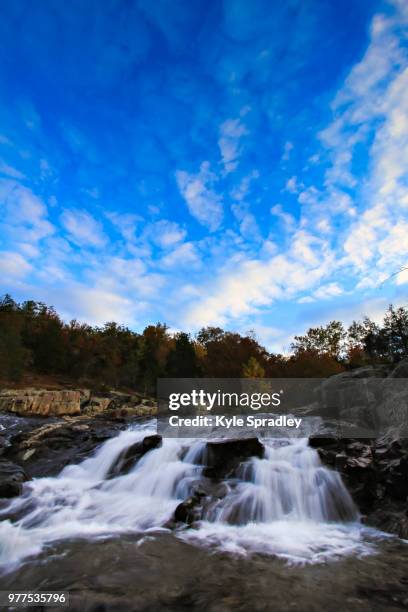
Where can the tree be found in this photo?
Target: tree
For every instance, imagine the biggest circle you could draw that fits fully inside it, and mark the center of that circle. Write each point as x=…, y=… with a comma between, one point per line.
x=328, y=340
x=154, y=347
x=225, y=352
x=395, y=332
x=182, y=360
x=13, y=355
x=253, y=369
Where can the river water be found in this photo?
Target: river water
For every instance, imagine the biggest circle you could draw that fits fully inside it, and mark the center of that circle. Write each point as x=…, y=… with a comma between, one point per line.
x=286, y=504
x=286, y=507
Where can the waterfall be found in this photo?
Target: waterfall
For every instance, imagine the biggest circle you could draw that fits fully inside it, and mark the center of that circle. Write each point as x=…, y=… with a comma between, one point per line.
x=288, y=483
x=287, y=504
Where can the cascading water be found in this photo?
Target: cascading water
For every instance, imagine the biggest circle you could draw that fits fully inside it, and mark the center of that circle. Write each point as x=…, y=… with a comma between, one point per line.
x=286, y=504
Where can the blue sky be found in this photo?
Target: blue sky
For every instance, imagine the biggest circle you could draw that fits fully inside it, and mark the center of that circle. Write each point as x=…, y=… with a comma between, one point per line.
x=237, y=163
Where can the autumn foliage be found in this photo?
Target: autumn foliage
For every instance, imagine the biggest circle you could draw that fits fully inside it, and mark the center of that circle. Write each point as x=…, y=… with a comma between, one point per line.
x=34, y=339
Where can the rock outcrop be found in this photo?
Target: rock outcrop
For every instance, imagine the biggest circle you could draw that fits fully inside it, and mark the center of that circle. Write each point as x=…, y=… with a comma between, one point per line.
x=42, y=402
x=374, y=469
x=71, y=402
x=45, y=449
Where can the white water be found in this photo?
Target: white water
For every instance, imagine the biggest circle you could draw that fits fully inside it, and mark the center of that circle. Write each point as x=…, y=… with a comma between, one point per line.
x=286, y=504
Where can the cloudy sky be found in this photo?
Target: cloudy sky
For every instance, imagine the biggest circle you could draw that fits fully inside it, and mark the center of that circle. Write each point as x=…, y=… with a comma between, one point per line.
x=235, y=163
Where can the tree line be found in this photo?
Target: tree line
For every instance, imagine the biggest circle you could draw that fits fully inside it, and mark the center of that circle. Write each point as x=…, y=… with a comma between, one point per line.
x=35, y=340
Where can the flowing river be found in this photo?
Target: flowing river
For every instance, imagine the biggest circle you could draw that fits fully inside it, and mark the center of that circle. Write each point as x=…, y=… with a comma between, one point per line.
x=286, y=507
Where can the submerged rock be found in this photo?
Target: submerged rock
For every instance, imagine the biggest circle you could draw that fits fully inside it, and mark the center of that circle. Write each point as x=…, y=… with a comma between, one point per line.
x=190, y=510
x=11, y=478
x=128, y=457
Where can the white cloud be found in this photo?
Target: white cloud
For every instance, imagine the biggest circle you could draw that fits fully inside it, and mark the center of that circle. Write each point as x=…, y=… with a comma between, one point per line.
x=292, y=185
x=202, y=201
x=10, y=171
x=247, y=222
x=309, y=196
x=245, y=288
x=83, y=229
x=371, y=104
x=126, y=224
x=402, y=277
x=328, y=291
x=241, y=191
x=287, y=149
x=23, y=213
x=97, y=306
x=307, y=299
x=166, y=234
x=13, y=265
x=184, y=255
x=231, y=132
x=287, y=219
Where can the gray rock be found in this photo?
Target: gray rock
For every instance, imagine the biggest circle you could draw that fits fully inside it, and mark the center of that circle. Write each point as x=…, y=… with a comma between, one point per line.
x=131, y=455
x=224, y=456
x=11, y=478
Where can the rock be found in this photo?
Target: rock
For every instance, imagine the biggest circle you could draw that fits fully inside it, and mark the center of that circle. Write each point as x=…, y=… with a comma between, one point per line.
x=353, y=396
x=328, y=457
x=392, y=410
x=28, y=454
x=189, y=510
x=98, y=404
x=148, y=402
x=41, y=402
x=71, y=402
x=223, y=456
x=128, y=457
x=396, y=480
x=400, y=370
x=47, y=449
x=11, y=478
x=390, y=521
x=324, y=441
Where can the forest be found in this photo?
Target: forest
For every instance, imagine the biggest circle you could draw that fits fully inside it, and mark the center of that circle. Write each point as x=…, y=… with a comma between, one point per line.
x=34, y=340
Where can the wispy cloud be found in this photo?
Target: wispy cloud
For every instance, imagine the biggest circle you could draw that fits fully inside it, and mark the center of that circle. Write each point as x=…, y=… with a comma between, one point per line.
x=10, y=171
x=203, y=202
x=231, y=132
x=83, y=229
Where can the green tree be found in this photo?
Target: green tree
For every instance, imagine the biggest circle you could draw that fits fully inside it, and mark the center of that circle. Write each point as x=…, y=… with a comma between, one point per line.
x=329, y=340
x=395, y=332
x=253, y=369
x=182, y=360
x=154, y=348
x=13, y=355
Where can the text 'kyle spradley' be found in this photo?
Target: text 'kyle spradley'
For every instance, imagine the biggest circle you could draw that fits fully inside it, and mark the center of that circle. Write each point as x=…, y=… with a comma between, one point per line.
x=255, y=422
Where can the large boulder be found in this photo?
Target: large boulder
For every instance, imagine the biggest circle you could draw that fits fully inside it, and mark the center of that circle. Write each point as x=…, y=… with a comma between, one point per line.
x=131, y=455
x=11, y=478
x=224, y=456
x=42, y=402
